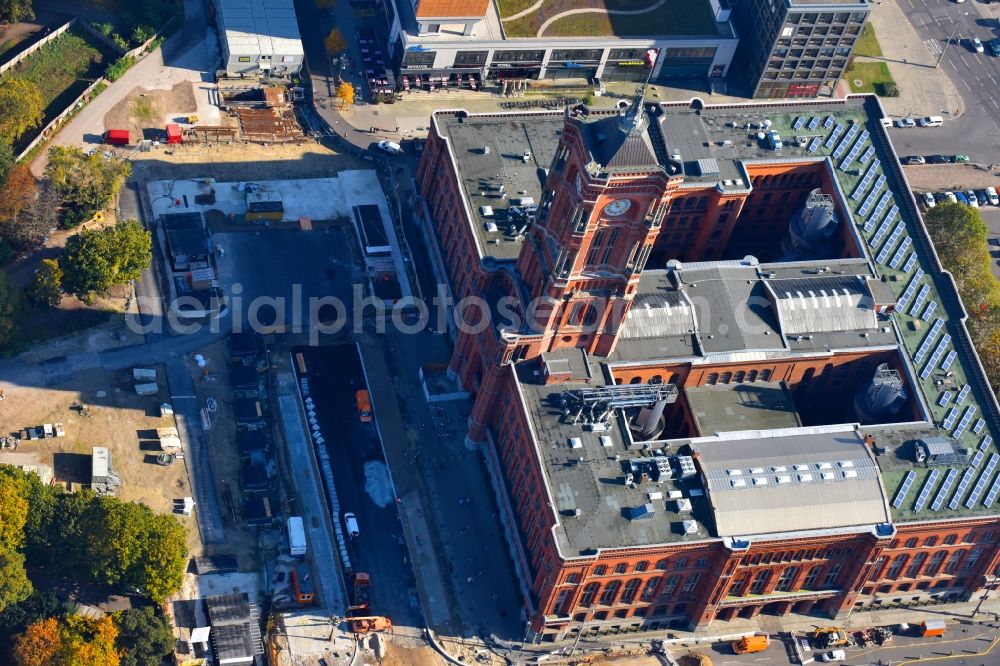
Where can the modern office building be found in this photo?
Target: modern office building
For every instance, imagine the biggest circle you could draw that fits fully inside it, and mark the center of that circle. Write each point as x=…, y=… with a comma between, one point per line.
x=259, y=37
x=475, y=39
x=723, y=374
x=795, y=48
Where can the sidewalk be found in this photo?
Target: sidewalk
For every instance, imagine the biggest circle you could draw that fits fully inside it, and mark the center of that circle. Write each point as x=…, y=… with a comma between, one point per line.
x=923, y=88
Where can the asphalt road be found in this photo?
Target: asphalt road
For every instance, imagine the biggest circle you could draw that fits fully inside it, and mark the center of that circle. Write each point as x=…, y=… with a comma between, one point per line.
x=379, y=550
x=976, y=75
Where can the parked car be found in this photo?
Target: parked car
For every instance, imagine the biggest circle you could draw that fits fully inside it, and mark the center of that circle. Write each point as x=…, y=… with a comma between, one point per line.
x=931, y=121
x=913, y=159
x=976, y=44
x=390, y=147
x=833, y=655
x=939, y=159
x=973, y=199
x=906, y=122
x=951, y=197
x=962, y=199
x=991, y=194
x=993, y=46
x=959, y=158
x=984, y=198
x=351, y=522
x=929, y=200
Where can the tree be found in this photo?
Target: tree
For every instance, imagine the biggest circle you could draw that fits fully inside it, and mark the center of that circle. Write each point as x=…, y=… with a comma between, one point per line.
x=13, y=512
x=87, y=642
x=95, y=261
x=14, y=584
x=335, y=42
x=345, y=91
x=159, y=570
x=39, y=645
x=16, y=198
x=13, y=11
x=10, y=307
x=144, y=636
x=21, y=107
x=46, y=285
x=83, y=183
x=16, y=617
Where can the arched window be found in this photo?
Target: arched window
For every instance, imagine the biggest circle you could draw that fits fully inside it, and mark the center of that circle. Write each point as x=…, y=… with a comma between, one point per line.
x=635, y=380
x=752, y=376
x=765, y=375
x=600, y=570
x=610, y=594
x=713, y=377
x=649, y=591
x=726, y=377
x=786, y=578
x=739, y=377
x=621, y=568
x=911, y=543
x=641, y=566
x=661, y=565
x=631, y=589
x=914, y=569
x=689, y=203
x=656, y=379
x=589, y=594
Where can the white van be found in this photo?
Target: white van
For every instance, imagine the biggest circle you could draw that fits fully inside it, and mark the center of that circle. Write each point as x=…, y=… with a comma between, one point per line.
x=931, y=121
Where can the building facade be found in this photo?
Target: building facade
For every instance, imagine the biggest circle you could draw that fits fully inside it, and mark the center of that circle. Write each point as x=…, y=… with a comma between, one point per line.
x=440, y=38
x=702, y=383
x=796, y=49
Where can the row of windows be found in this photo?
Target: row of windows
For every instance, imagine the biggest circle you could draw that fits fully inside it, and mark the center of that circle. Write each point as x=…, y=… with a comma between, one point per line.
x=922, y=565
x=949, y=540
x=828, y=17
x=614, y=592
x=688, y=203
x=788, y=580
x=738, y=377
x=639, y=567
x=797, y=555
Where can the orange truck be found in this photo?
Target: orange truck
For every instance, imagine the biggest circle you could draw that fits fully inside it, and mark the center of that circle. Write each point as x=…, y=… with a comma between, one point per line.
x=748, y=644
x=364, y=401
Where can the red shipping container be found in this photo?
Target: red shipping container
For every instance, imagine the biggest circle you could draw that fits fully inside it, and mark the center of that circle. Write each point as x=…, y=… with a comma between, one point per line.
x=173, y=133
x=117, y=137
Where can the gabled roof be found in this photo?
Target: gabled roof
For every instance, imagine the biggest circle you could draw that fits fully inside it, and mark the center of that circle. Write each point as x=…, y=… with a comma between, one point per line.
x=452, y=8
x=614, y=144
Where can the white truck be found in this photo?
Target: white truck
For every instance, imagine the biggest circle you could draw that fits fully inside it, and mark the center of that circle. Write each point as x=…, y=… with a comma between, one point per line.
x=296, y=536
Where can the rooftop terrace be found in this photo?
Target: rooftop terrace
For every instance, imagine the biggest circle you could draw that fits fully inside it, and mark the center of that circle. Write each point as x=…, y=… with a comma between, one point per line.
x=644, y=18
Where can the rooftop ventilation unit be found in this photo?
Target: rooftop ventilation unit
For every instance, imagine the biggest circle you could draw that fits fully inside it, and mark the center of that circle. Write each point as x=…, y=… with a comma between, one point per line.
x=811, y=232
x=882, y=398
x=594, y=405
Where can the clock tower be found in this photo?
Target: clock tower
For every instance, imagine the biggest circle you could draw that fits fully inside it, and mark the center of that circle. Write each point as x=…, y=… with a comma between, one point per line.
x=604, y=200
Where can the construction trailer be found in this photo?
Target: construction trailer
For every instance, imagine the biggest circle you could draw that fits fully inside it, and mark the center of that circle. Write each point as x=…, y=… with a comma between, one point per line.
x=932, y=628
x=303, y=588
x=104, y=479
x=117, y=137
x=174, y=134
x=264, y=205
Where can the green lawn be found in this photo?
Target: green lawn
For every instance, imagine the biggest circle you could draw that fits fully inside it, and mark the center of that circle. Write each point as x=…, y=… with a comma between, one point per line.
x=867, y=44
x=72, y=58
x=675, y=17
x=869, y=74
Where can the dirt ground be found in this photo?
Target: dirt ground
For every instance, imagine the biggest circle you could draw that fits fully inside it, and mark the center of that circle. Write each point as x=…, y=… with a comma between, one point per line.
x=116, y=418
x=397, y=655
x=941, y=177
x=237, y=162
x=145, y=113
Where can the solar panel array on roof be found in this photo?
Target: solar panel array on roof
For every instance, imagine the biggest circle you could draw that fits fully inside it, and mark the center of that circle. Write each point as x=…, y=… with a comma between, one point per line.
x=949, y=359
x=858, y=145
x=928, y=340
x=929, y=310
x=882, y=230
x=900, y=252
x=798, y=122
x=943, y=491
x=910, y=288
x=814, y=144
x=868, y=155
x=911, y=261
x=869, y=200
x=963, y=394
x=834, y=135
x=918, y=302
x=978, y=458
x=936, y=356
x=828, y=122
x=813, y=123
x=949, y=418
x=925, y=492
x=991, y=496
x=865, y=181
x=964, y=423
x=883, y=202
x=962, y=486
x=983, y=480
x=985, y=444
x=943, y=400
x=841, y=148
x=978, y=427
x=904, y=488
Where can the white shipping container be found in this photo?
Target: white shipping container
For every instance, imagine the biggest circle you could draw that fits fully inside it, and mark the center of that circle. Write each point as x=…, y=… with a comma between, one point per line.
x=143, y=373
x=147, y=389
x=296, y=536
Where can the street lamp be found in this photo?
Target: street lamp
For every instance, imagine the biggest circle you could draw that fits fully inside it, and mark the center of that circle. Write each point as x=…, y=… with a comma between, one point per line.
x=953, y=32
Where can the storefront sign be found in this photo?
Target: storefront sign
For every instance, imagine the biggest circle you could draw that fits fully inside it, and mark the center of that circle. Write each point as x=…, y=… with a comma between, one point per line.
x=631, y=63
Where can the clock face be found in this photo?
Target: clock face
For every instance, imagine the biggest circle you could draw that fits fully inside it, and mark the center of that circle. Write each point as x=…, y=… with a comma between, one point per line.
x=617, y=207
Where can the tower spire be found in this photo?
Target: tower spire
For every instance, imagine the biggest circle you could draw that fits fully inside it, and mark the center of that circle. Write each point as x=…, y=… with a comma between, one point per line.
x=633, y=120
